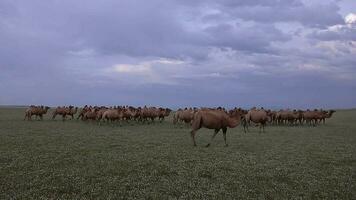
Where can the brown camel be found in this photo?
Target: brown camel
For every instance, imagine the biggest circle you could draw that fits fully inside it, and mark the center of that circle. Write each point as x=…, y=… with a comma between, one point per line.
x=163, y=112
x=186, y=116
x=315, y=116
x=112, y=115
x=72, y=112
x=290, y=116
x=37, y=111
x=64, y=111
x=83, y=111
x=258, y=116
x=214, y=119
x=99, y=114
x=91, y=114
x=326, y=115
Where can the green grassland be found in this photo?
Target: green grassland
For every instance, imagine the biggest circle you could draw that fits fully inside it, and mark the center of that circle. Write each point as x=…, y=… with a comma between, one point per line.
x=82, y=160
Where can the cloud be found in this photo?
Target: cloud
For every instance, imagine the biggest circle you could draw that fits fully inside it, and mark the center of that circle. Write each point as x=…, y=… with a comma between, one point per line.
x=343, y=32
x=184, y=52
x=350, y=18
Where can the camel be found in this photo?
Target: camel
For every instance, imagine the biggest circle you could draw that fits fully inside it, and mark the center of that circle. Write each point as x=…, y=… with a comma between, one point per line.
x=258, y=116
x=149, y=113
x=144, y=114
x=214, y=119
x=72, y=112
x=137, y=116
x=99, y=114
x=272, y=117
x=185, y=115
x=326, y=115
x=290, y=116
x=176, y=116
x=31, y=111
x=37, y=111
x=128, y=113
x=163, y=112
x=83, y=111
x=112, y=115
x=91, y=114
x=310, y=117
x=64, y=111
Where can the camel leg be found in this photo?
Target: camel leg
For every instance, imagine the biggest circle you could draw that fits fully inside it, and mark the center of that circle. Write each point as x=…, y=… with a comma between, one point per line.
x=216, y=131
x=224, y=134
x=192, y=134
x=244, y=123
x=260, y=127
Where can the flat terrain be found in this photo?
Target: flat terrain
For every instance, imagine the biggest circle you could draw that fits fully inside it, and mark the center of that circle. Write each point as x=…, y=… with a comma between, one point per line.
x=78, y=160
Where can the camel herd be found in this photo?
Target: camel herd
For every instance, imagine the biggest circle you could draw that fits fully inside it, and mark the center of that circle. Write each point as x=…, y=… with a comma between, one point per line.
x=221, y=119
x=102, y=113
x=211, y=118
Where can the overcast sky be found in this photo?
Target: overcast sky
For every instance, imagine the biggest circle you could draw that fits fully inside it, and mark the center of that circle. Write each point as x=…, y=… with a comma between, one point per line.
x=271, y=53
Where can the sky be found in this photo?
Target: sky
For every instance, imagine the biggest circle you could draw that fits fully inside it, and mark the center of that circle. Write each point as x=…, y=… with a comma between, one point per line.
x=178, y=53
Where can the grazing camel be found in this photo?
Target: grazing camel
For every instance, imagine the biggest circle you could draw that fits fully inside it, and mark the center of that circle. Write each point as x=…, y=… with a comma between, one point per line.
x=258, y=116
x=214, y=119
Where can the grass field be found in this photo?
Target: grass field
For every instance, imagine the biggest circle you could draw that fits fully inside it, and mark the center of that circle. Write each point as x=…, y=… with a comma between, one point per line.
x=77, y=160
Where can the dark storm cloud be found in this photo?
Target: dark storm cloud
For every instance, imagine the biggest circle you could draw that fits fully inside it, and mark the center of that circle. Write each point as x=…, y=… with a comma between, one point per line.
x=185, y=52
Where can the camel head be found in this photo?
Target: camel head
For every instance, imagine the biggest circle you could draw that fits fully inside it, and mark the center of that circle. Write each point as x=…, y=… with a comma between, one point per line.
x=235, y=118
x=330, y=113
